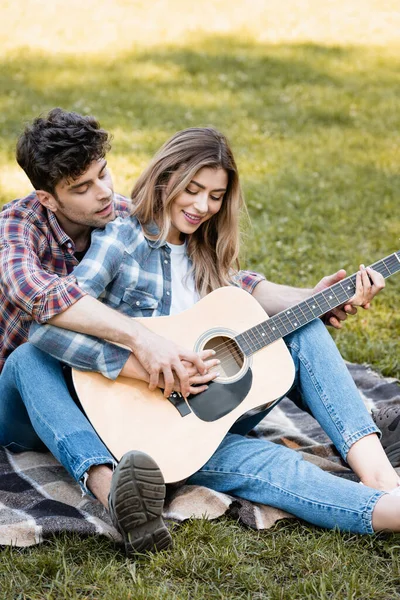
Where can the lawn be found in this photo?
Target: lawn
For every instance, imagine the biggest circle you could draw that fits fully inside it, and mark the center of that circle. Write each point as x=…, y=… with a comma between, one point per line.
x=309, y=95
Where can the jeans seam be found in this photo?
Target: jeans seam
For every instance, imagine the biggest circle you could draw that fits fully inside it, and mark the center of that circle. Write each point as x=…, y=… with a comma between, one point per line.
x=368, y=511
x=358, y=435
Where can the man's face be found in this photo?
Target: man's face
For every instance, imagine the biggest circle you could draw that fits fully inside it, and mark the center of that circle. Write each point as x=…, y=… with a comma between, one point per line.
x=87, y=200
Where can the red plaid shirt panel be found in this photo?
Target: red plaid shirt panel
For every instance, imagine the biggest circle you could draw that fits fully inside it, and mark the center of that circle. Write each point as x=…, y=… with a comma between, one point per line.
x=36, y=264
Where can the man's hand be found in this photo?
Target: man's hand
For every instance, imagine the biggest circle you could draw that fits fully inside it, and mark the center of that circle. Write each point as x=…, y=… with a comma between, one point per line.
x=133, y=369
x=156, y=355
x=197, y=383
x=163, y=358
x=368, y=284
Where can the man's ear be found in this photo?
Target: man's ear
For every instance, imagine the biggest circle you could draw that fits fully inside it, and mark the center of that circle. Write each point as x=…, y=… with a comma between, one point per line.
x=47, y=200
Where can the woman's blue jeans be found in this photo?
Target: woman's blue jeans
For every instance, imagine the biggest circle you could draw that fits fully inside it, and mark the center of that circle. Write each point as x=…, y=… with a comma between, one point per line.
x=37, y=411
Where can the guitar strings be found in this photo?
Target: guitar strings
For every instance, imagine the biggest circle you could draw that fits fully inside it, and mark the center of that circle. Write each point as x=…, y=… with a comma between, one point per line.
x=230, y=345
x=263, y=327
x=224, y=351
x=282, y=315
x=227, y=347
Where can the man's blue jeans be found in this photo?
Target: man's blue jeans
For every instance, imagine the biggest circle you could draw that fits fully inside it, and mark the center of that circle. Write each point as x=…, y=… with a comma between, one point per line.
x=36, y=407
x=38, y=413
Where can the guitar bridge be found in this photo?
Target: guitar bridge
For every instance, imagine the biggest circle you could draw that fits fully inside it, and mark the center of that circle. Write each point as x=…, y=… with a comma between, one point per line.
x=178, y=401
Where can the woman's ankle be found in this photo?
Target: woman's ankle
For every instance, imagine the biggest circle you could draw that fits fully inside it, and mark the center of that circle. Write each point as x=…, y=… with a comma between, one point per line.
x=383, y=482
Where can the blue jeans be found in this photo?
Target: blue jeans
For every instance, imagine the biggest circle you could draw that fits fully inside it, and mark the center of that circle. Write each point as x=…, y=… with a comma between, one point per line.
x=38, y=413
x=264, y=472
x=36, y=407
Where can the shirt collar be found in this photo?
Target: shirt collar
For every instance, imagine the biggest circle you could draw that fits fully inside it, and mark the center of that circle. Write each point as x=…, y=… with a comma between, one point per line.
x=59, y=234
x=153, y=229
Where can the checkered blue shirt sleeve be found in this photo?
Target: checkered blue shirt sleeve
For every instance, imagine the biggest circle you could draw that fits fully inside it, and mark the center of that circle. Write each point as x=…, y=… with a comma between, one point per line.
x=84, y=352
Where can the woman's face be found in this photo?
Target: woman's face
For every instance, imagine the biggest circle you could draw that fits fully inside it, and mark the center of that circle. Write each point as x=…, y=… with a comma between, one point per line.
x=201, y=199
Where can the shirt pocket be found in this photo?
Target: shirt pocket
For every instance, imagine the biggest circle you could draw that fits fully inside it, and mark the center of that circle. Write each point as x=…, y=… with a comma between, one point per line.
x=140, y=303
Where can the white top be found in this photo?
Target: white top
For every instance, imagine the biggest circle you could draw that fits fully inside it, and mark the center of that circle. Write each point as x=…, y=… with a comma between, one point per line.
x=183, y=291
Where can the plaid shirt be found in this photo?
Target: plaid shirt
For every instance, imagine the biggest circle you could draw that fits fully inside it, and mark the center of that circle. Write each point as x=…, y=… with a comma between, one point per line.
x=129, y=273
x=36, y=263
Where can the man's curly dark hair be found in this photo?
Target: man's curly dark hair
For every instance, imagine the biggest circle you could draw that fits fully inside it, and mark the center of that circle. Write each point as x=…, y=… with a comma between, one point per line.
x=60, y=146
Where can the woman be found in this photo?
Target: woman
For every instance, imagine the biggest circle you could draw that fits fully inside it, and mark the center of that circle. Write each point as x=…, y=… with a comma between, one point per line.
x=180, y=243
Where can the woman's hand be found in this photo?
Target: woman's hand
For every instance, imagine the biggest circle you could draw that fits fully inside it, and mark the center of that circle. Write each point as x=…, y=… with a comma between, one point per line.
x=368, y=284
x=197, y=381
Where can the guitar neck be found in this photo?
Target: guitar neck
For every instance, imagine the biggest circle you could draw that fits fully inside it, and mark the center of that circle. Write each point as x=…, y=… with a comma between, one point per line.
x=297, y=316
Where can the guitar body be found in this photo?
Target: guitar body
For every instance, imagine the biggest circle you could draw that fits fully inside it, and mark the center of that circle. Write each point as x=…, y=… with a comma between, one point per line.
x=182, y=435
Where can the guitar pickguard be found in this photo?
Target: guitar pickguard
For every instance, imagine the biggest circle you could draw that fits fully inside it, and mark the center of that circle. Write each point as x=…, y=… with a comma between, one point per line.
x=178, y=401
x=220, y=398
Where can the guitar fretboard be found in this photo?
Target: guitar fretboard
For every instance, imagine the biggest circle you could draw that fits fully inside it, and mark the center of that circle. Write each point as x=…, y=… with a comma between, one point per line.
x=297, y=316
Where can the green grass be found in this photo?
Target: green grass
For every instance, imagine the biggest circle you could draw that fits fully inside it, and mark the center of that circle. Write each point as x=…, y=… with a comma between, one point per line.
x=211, y=560
x=311, y=104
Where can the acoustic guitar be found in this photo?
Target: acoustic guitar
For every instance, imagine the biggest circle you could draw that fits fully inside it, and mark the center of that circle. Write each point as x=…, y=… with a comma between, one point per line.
x=256, y=370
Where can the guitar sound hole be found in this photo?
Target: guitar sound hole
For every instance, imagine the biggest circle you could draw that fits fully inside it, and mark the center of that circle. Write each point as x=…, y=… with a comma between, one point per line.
x=228, y=352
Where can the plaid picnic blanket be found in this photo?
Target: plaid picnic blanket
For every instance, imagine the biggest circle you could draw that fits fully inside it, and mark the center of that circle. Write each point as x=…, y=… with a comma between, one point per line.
x=39, y=499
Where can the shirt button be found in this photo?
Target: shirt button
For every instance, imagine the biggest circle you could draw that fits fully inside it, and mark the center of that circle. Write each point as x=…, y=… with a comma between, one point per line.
x=137, y=303
x=167, y=293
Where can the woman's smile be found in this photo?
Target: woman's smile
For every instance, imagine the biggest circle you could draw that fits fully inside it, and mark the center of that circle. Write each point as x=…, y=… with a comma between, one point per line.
x=201, y=200
x=193, y=219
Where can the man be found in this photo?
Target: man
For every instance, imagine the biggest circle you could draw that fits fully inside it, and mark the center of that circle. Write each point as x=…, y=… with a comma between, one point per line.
x=43, y=237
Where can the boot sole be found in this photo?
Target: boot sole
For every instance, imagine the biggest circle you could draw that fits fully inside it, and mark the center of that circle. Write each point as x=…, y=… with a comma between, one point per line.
x=137, y=496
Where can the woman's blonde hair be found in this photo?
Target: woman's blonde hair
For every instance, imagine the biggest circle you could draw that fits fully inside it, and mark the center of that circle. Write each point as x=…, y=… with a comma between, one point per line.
x=214, y=247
